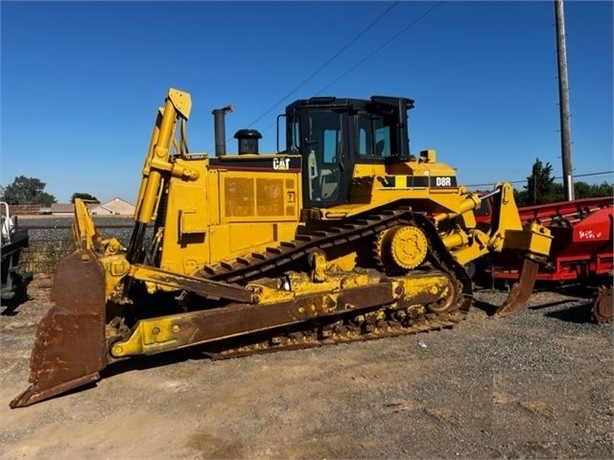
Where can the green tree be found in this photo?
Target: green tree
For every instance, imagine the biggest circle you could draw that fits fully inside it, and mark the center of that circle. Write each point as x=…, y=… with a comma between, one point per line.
x=520, y=197
x=584, y=190
x=84, y=196
x=541, y=187
x=604, y=189
x=28, y=190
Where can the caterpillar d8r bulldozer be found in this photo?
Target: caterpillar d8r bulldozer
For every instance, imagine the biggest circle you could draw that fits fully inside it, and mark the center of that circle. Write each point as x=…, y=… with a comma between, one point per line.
x=343, y=235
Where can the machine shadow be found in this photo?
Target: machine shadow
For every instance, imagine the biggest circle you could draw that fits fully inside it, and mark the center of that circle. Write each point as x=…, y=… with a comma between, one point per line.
x=577, y=314
x=206, y=351
x=140, y=363
x=11, y=306
x=573, y=314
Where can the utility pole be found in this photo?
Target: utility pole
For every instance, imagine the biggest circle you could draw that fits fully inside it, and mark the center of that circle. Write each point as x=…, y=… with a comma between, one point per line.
x=568, y=186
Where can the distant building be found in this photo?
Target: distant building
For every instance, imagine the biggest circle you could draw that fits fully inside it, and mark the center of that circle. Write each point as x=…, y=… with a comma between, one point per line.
x=62, y=209
x=114, y=207
x=25, y=209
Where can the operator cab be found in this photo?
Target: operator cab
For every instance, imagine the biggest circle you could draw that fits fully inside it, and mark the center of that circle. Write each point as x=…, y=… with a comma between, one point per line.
x=332, y=135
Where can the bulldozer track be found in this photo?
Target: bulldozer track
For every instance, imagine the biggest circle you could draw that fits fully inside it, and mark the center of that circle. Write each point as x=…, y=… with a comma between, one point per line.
x=345, y=328
x=313, y=338
x=259, y=264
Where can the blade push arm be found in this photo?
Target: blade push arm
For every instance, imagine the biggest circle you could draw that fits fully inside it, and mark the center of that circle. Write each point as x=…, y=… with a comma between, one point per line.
x=158, y=163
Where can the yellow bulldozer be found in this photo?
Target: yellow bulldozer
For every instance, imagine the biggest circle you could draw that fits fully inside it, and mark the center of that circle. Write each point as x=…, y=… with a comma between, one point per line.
x=342, y=235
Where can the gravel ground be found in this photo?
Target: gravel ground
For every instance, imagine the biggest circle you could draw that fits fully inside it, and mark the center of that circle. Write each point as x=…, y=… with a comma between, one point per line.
x=534, y=385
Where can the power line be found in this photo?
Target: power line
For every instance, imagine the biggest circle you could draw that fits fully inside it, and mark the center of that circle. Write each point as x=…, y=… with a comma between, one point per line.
x=374, y=51
x=323, y=66
x=601, y=173
x=379, y=48
x=589, y=174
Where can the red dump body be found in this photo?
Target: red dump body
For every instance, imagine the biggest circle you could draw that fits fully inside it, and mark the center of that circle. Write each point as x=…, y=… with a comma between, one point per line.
x=582, y=246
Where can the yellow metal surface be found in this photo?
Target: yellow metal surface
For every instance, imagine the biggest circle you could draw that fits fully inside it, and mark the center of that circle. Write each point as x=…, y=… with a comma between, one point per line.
x=213, y=214
x=115, y=268
x=343, y=263
x=408, y=246
x=84, y=231
x=150, y=336
x=154, y=335
x=533, y=239
x=428, y=156
x=467, y=204
x=150, y=151
x=185, y=245
x=178, y=104
x=508, y=233
x=218, y=211
x=159, y=279
x=434, y=283
x=467, y=247
x=210, y=215
x=219, y=214
x=317, y=260
x=322, y=268
x=376, y=185
x=182, y=102
x=298, y=284
x=109, y=252
x=468, y=243
x=250, y=196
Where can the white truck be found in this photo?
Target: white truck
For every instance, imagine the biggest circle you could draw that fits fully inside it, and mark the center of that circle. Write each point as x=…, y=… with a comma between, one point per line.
x=13, y=241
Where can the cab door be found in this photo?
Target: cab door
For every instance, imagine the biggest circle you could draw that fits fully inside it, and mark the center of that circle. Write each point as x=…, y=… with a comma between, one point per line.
x=324, y=146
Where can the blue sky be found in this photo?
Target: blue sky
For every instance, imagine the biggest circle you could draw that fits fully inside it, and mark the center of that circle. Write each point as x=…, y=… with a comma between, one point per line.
x=81, y=81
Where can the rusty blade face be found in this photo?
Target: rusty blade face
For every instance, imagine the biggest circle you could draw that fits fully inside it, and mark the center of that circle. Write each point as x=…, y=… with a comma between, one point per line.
x=69, y=348
x=602, y=309
x=521, y=291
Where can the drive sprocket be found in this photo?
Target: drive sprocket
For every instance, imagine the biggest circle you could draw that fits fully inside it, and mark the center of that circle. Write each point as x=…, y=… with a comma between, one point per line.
x=400, y=248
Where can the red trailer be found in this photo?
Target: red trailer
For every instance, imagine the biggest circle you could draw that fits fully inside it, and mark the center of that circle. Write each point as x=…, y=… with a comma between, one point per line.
x=582, y=249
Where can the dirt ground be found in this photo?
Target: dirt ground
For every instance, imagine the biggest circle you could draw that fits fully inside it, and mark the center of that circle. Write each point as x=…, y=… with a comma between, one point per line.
x=535, y=385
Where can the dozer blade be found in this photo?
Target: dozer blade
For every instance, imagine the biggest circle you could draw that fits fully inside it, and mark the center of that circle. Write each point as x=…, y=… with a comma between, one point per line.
x=69, y=349
x=521, y=291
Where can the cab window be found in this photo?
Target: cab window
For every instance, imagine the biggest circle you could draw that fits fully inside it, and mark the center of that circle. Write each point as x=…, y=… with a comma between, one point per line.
x=324, y=139
x=373, y=137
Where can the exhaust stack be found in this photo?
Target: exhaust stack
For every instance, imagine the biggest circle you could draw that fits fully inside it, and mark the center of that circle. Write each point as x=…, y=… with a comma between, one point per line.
x=219, y=119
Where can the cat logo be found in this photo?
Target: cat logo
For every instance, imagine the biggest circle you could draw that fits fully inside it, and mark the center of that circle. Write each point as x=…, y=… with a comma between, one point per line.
x=281, y=163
